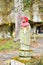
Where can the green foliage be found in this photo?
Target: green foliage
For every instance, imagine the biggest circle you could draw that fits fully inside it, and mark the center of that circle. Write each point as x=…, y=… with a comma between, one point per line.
x=27, y=4
x=10, y=45
x=6, y=6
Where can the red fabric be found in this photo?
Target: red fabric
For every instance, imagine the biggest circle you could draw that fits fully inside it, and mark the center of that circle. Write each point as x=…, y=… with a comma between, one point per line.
x=25, y=24
x=25, y=18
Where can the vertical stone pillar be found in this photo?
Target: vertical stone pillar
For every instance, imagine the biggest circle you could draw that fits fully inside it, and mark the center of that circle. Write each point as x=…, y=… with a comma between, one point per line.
x=35, y=12
x=18, y=15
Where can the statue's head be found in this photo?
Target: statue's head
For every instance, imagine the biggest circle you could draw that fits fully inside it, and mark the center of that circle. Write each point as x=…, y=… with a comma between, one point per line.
x=25, y=24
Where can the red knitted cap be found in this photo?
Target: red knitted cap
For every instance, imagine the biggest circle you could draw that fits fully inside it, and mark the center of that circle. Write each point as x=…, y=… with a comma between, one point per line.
x=25, y=18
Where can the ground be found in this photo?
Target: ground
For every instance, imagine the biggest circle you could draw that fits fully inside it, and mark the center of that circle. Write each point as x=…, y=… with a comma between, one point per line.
x=8, y=49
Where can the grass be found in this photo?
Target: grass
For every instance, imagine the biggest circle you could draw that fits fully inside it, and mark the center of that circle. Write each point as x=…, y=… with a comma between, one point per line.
x=9, y=45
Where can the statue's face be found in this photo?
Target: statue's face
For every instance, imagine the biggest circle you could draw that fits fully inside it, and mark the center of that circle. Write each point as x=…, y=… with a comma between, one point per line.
x=25, y=29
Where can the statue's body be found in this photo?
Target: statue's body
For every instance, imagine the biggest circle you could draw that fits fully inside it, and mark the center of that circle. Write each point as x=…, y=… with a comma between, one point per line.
x=25, y=39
